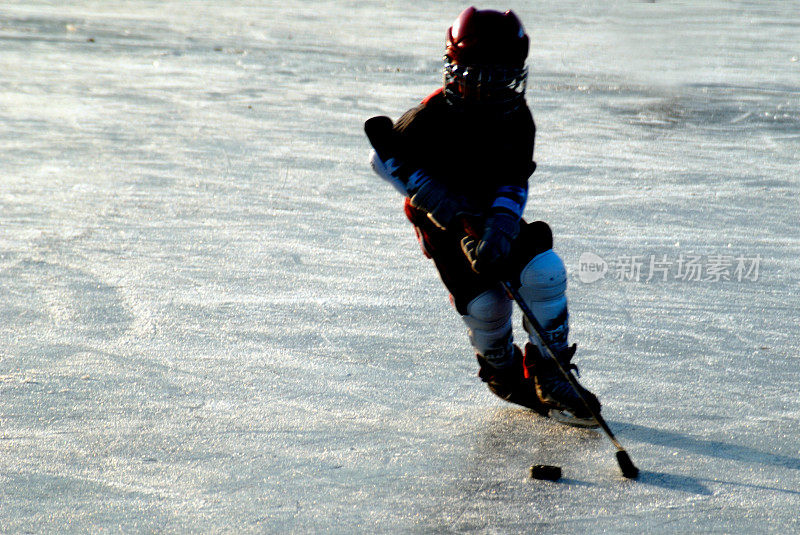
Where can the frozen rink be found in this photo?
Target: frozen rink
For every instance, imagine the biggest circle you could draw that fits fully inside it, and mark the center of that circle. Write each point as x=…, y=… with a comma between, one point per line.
x=215, y=318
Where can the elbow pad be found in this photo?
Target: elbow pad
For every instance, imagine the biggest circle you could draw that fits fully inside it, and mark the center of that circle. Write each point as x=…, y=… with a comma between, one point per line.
x=402, y=177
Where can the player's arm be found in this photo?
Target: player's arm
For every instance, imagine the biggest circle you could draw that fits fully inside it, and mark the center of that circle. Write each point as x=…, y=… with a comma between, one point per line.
x=501, y=225
x=426, y=193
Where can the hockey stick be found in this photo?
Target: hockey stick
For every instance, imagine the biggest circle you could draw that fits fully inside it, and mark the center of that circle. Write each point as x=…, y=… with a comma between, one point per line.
x=627, y=467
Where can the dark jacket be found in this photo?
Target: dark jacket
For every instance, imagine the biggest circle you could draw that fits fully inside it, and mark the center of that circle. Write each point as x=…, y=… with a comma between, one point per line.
x=471, y=154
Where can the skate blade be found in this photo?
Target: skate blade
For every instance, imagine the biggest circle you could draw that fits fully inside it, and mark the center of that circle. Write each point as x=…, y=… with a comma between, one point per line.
x=567, y=418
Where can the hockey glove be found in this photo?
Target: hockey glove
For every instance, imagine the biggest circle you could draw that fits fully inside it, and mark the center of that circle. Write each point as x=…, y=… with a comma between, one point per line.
x=442, y=206
x=488, y=255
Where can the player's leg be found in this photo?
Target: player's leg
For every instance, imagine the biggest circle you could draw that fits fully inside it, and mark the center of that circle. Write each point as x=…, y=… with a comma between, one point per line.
x=542, y=284
x=486, y=309
x=502, y=366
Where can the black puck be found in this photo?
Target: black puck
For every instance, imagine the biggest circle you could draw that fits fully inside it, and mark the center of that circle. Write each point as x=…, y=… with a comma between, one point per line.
x=546, y=471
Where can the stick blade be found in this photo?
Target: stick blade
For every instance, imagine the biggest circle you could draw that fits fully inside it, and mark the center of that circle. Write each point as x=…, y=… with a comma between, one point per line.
x=629, y=470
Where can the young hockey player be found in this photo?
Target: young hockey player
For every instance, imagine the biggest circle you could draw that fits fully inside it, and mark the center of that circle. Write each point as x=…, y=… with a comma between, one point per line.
x=463, y=158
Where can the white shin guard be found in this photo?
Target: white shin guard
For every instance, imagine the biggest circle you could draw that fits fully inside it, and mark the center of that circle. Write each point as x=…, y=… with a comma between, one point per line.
x=543, y=287
x=488, y=319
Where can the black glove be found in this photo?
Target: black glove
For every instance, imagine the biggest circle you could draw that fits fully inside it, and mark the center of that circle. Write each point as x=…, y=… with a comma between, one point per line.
x=488, y=255
x=442, y=206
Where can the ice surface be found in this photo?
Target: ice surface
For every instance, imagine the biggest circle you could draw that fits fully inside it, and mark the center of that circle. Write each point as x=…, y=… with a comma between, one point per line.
x=213, y=317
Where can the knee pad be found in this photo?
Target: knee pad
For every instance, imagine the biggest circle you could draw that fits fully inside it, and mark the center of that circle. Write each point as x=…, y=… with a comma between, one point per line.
x=488, y=320
x=543, y=287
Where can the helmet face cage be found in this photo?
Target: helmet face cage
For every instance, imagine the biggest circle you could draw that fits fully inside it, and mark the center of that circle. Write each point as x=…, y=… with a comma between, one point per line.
x=495, y=88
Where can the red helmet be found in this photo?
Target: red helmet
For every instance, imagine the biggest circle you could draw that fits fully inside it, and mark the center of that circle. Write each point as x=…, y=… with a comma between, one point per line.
x=485, y=60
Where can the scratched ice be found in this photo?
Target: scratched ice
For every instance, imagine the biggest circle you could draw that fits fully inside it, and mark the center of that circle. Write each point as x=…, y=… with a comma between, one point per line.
x=213, y=317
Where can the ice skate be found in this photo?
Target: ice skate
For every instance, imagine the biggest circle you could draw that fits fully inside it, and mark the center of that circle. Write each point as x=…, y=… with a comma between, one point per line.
x=511, y=383
x=555, y=392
